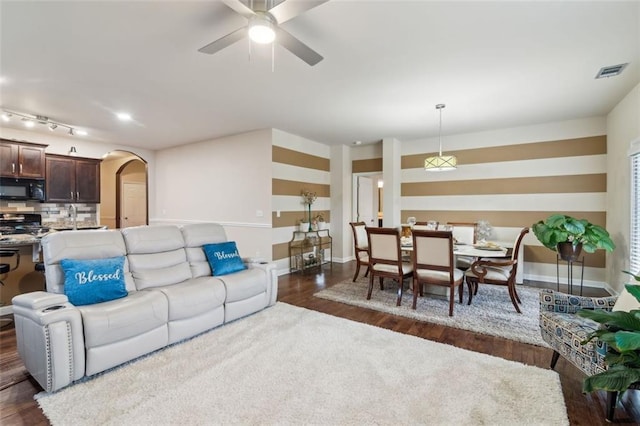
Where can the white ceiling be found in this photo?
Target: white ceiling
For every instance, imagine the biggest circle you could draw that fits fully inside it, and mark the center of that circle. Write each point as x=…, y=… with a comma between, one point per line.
x=386, y=65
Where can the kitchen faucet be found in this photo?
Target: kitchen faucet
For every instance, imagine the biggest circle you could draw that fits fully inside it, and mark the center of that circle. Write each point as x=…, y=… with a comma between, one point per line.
x=73, y=212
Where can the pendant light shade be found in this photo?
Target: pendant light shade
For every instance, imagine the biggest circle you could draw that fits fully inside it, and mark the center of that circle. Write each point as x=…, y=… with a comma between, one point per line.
x=440, y=162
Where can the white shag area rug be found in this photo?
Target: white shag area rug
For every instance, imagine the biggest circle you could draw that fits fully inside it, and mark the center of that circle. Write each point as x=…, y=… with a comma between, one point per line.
x=491, y=311
x=289, y=365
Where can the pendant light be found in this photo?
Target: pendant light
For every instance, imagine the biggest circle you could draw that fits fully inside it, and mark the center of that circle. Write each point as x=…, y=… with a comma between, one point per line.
x=441, y=162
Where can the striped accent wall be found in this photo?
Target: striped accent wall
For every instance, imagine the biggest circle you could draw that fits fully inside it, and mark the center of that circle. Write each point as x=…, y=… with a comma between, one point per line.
x=298, y=164
x=513, y=186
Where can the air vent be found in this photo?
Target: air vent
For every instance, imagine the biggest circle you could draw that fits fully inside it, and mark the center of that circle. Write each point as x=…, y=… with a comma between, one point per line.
x=611, y=71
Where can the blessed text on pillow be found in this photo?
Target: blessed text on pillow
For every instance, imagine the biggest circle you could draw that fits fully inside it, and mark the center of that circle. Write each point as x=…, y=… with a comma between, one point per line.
x=223, y=258
x=89, y=281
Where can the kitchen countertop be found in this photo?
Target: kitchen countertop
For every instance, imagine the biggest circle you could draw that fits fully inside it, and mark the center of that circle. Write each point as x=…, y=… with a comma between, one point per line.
x=28, y=239
x=66, y=225
x=19, y=240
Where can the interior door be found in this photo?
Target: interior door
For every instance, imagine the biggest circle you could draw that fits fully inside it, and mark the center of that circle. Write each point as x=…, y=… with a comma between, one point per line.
x=134, y=204
x=364, y=207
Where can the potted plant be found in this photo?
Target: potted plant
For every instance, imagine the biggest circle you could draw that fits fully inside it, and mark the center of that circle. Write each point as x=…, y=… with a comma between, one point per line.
x=303, y=224
x=569, y=236
x=308, y=198
x=621, y=332
x=320, y=221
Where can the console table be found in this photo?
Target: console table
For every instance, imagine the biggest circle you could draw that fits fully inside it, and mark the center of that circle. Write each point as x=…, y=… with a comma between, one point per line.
x=308, y=249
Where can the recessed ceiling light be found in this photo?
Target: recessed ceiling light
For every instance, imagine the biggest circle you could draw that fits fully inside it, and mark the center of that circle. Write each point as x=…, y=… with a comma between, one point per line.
x=357, y=143
x=81, y=132
x=123, y=116
x=28, y=123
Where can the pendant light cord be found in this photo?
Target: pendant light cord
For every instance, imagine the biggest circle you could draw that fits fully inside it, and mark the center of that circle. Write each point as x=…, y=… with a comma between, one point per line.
x=440, y=107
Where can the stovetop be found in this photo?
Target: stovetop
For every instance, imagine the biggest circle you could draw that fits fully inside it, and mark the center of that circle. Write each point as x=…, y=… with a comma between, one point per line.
x=20, y=223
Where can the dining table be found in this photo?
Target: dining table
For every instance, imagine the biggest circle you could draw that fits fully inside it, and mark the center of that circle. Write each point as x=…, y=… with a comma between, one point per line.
x=494, y=249
x=489, y=249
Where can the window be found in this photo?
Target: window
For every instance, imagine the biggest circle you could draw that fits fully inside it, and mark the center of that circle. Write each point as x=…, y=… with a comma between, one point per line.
x=634, y=261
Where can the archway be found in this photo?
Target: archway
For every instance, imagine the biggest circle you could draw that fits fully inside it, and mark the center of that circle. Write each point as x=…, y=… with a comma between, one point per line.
x=124, y=190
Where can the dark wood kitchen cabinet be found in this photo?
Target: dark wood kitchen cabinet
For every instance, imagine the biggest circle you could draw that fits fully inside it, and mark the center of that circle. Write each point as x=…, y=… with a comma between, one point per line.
x=72, y=179
x=22, y=160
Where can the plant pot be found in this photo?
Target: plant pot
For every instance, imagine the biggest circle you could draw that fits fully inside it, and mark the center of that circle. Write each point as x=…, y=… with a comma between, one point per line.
x=322, y=226
x=568, y=251
x=304, y=226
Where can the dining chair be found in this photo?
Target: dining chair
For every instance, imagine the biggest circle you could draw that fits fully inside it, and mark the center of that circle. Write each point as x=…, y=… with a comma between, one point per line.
x=499, y=272
x=385, y=259
x=433, y=262
x=430, y=225
x=361, y=245
x=465, y=233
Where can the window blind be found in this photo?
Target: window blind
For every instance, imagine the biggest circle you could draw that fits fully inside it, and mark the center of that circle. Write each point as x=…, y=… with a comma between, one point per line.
x=634, y=261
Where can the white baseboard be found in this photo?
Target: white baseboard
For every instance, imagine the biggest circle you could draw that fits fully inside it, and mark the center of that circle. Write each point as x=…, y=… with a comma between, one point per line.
x=576, y=281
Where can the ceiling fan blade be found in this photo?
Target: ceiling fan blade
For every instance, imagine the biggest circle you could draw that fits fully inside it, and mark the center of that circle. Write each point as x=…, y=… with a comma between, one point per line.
x=240, y=8
x=297, y=47
x=289, y=9
x=225, y=41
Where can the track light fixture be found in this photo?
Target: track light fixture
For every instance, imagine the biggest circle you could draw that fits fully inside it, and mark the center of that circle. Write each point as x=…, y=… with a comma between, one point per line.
x=31, y=120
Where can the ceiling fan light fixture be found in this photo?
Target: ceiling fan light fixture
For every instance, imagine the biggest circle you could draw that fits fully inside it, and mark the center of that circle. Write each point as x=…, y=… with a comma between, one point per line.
x=261, y=30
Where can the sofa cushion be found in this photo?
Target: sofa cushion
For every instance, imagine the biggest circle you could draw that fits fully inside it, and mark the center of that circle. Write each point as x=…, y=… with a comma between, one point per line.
x=245, y=284
x=121, y=319
x=81, y=245
x=152, y=239
x=199, y=234
x=89, y=281
x=223, y=258
x=193, y=297
x=157, y=277
x=195, y=236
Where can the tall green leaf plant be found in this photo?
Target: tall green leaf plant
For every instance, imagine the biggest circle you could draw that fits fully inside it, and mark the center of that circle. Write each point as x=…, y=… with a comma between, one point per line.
x=621, y=332
x=560, y=228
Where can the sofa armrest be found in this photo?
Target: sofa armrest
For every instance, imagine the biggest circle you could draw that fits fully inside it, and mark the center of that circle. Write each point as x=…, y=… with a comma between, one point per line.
x=555, y=301
x=272, y=276
x=50, y=338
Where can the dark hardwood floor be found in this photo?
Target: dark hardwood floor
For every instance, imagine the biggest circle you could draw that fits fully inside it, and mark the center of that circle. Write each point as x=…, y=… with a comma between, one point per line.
x=17, y=406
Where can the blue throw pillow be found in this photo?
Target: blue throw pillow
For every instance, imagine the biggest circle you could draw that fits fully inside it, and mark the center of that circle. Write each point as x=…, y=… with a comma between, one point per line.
x=89, y=281
x=223, y=258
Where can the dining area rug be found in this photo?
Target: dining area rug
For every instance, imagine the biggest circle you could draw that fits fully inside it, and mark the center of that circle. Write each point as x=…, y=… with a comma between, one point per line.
x=491, y=311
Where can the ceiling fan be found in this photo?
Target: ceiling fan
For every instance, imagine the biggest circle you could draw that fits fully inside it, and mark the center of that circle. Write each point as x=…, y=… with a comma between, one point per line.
x=263, y=27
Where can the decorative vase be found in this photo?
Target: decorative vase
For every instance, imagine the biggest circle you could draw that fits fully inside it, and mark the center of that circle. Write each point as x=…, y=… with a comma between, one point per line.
x=304, y=226
x=568, y=251
x=309, y=217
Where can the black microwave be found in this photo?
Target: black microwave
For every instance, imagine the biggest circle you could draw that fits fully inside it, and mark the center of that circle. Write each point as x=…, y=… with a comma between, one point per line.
x=21, y=189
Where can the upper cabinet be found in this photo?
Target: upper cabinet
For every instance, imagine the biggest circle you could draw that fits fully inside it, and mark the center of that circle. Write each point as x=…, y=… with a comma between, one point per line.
x=24, y=160
x=72, y=179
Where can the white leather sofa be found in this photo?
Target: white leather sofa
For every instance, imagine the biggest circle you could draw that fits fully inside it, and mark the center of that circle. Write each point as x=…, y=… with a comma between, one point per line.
x=171, y=296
